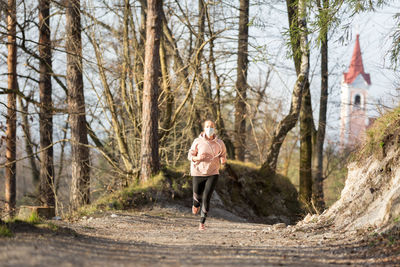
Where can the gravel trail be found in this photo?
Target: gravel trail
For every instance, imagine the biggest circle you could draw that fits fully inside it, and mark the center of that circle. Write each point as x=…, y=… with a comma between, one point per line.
x=169, y=237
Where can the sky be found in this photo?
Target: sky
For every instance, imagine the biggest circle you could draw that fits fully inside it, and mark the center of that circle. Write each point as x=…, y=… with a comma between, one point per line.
x=269, y=50
x=375, y=29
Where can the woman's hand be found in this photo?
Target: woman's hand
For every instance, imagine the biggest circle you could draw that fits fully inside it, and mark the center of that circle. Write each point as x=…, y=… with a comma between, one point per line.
x=200, y=157
x=223, y=161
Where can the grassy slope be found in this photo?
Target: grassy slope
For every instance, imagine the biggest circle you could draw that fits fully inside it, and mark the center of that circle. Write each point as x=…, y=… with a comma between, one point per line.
x=383, y=134
x=250, y=196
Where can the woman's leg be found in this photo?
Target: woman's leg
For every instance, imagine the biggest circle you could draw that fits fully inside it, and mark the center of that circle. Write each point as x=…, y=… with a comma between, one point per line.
x=199, y=183
x=208, y=190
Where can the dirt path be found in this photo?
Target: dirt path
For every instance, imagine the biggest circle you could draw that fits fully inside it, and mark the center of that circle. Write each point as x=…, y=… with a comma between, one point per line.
x=165, y=236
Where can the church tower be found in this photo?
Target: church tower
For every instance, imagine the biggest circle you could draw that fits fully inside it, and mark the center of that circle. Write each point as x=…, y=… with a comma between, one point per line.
x=354, y=93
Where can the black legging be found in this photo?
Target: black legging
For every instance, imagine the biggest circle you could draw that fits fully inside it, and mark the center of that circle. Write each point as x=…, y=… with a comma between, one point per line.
x=203, y=187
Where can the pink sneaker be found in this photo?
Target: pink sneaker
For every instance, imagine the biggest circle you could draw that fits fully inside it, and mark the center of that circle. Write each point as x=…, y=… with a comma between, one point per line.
x=202, y=227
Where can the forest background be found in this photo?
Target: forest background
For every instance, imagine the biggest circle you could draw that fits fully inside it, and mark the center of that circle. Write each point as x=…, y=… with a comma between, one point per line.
x=201, y=76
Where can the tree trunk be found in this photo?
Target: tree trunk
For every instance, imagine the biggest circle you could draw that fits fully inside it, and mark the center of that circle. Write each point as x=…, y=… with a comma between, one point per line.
x=166, y=125
x=306, y=118
x=292, y=9
x=241, y=82
x=230, y=149
x=47, y=189
x=126, y=72
x=285, y=125
x=204, y=90
x=150, y=163
x=10, y=172
x=306, y=130
x=80, y=184
x=57, y=179
x=318, y=190
x=28, y=144
x=138, y=55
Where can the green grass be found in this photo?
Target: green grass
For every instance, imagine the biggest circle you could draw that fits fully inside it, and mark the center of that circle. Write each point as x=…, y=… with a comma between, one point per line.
x=242, y=166
x=34, y=218
x=168, y=180
x=34, y=223
x=52, y=226
x=5, y=232
x=379, y=133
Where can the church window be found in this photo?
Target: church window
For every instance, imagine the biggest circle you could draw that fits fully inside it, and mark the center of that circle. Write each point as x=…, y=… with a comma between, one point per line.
x=357, y=100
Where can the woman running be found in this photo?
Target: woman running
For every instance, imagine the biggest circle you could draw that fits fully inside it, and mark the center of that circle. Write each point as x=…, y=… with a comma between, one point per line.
x=206, y=155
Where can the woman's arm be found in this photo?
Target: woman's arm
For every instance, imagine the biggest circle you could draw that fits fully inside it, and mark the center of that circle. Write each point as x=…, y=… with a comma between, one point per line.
x=193, y=151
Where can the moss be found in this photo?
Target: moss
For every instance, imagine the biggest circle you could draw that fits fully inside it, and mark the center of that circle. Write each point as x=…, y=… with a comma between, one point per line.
x=240, y=166
x=169, y=181
x=52, y=226
x=34, y=218
x=5, y=231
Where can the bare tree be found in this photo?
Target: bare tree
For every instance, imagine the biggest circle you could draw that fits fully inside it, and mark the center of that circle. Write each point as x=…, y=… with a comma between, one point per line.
x=10, y=173
x=241, y=82
x=166, y=85
x=28, y=142
x=219, y=121
x=46, y=107
x=285, y=125
x=150, y=163
x=306, y=118
x=306, y=147
x=80, y=184
x=318, y=156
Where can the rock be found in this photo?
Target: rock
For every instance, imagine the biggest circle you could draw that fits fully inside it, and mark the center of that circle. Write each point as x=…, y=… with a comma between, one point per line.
x=44, y=212
x=309, y=218
x=114, y=215
x=279, y=226
x=267, y=229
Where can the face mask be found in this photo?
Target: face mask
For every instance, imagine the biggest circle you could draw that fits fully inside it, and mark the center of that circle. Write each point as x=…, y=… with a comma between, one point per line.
x=209, y=131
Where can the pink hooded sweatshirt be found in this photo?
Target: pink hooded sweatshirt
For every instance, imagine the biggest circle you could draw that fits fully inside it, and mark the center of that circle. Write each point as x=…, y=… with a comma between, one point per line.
x=213, y=150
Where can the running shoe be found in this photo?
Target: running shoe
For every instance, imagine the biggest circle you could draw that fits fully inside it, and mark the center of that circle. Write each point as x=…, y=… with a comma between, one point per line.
x=202, y=227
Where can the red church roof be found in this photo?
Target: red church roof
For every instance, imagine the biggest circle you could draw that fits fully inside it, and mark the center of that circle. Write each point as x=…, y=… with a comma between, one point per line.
x=356, y=66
